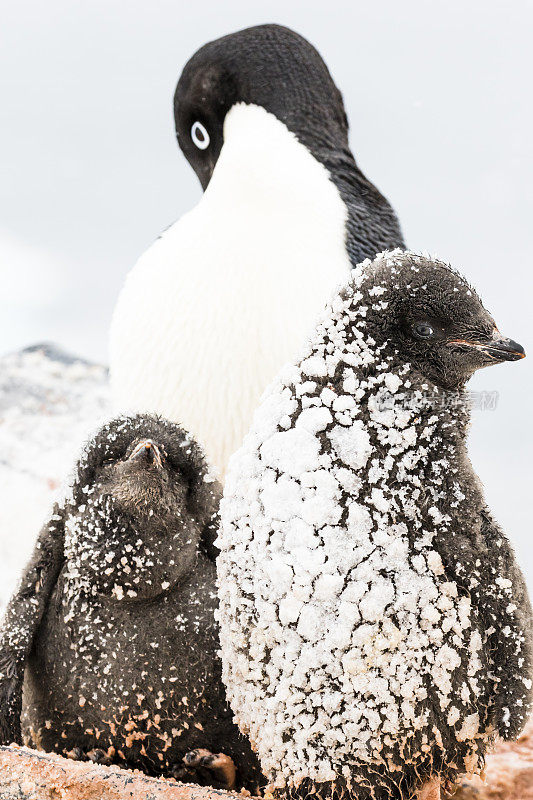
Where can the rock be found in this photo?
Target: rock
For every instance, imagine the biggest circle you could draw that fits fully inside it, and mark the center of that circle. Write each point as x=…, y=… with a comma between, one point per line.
x=28, y=775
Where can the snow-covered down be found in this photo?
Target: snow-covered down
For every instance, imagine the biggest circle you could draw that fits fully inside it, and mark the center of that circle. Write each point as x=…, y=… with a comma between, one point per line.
x=338, y=620
x=49, y=405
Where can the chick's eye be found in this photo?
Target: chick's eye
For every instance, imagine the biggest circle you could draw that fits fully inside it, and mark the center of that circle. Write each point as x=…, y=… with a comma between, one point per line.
x=422, y=330
x=200, y=136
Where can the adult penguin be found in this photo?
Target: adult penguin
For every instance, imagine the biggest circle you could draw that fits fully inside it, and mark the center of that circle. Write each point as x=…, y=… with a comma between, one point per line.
x=227, y=295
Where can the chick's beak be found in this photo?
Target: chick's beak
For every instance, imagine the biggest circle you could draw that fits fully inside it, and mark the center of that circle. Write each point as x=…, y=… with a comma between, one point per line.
x=148, y=453
x=498, y=348
x=504, y=349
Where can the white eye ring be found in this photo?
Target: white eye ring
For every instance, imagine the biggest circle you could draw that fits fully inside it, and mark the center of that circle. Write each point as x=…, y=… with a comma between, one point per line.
x=200, y=136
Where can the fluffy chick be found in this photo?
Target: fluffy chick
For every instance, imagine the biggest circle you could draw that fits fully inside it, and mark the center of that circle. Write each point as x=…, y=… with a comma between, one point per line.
x=380, y=625
x=112, y=628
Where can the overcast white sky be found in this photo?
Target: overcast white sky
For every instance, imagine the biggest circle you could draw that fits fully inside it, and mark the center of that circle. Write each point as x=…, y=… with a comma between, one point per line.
x=439, y=100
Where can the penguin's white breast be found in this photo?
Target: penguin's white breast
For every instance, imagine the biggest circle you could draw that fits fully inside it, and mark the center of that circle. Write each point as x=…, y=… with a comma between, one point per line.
x=229, y=293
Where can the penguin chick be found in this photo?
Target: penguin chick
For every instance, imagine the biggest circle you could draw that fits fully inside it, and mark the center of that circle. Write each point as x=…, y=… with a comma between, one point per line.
x=112, y=627
x=236, y=284
x=380, y=625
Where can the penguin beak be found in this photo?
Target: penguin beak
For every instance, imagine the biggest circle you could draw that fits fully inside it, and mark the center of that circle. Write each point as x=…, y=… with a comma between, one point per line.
x=499, y=348
x=147, y=453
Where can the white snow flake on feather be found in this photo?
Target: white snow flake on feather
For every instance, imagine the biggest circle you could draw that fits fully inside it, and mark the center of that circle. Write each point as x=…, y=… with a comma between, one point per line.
x=352, y=445
x=293, y=451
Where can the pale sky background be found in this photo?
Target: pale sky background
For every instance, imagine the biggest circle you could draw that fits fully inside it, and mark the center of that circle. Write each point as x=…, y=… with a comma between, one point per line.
x=439, y=100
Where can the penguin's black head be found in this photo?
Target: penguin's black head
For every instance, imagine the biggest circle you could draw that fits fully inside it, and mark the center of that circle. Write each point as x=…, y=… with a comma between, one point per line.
x=151, y=469
x=268, y=66
x=425, y=314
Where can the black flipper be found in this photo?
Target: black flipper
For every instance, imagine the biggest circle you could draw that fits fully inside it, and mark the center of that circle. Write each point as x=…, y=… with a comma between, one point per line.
x=22, y=619
x=209, y=535
x=207, y=496
x=488, y=570
x=504, y=604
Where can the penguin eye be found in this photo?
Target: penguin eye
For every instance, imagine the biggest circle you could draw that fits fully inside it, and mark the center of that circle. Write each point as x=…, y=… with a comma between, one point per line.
x=200, y=136
x=422, y=330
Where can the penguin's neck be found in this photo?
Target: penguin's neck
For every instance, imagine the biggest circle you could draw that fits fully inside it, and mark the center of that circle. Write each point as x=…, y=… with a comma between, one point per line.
x=264, y=170
x=259, y=155
x=112, y=554
x=372, y=226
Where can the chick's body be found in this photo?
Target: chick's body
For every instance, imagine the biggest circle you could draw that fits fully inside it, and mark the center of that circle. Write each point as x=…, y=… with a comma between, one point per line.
x=122, y=674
